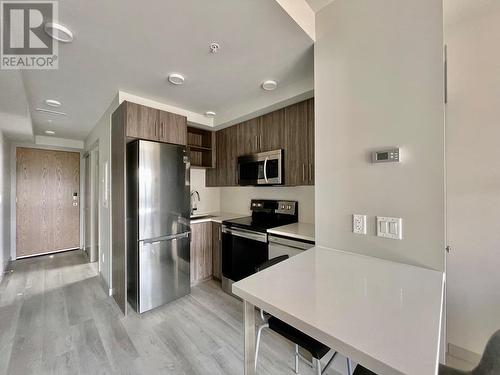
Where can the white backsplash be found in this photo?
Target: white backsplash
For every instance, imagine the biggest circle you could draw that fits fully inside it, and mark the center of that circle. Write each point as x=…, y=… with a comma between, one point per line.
x=209, y=197
x=237, y=199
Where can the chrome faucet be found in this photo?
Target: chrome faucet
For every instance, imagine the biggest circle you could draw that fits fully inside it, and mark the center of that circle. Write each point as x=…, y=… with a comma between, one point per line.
x=193, y=202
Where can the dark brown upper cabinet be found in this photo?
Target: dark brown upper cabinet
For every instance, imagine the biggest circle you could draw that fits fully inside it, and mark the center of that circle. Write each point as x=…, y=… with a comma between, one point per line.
x=299, y=144
x=249, y=136
x=154, y=125
x=310, y=140
x=273, y=131
x=141, y=121
x=172, y=128
x=226, y=147
x=290, y=129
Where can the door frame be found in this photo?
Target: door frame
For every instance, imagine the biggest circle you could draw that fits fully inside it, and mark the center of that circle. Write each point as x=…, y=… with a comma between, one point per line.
x=13, y=187
x=95, y=199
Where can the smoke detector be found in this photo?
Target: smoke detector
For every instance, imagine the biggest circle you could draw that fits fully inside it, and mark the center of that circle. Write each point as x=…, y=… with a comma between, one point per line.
x=214, y=47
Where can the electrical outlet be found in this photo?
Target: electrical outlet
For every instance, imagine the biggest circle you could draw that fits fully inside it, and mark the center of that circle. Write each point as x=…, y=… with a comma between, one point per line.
x=359, y=224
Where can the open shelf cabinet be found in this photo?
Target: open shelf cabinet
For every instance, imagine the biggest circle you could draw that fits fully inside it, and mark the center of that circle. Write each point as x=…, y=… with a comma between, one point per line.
x=201, y=144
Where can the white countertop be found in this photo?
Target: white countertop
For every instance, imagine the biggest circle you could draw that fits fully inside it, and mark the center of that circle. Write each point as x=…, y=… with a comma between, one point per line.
x=301, y=231
x=381, y=314
x=217, y=217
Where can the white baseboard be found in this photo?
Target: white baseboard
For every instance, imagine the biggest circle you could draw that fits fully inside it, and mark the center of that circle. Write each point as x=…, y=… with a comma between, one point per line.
x=463, y=354
x=105, y=285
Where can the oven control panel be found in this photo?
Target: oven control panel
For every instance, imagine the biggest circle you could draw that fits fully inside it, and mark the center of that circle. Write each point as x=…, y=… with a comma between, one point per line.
x=286, y=207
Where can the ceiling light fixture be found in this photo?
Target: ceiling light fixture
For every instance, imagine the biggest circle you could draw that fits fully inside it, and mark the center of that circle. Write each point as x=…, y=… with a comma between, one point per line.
x=51, y=112
x=58, y=32
x=50, y=132
x=176, y=78
x=210, y=114
x=269, y=85
x=53, y=103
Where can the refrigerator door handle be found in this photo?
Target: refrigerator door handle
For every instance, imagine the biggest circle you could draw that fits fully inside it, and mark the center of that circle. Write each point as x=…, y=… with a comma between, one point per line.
x=165, y=238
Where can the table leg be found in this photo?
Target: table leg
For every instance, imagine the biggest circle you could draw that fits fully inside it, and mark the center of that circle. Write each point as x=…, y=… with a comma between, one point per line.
x=249, y=312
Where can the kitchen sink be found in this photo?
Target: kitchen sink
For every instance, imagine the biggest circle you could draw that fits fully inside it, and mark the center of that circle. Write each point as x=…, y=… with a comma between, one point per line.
x=201, y=216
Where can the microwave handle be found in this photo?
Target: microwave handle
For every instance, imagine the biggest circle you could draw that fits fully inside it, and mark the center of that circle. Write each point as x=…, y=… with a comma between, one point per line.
x=265, y=169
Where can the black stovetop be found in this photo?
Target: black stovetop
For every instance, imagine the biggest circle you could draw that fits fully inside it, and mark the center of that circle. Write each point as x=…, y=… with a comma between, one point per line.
x=266, y=214
x=259, y=225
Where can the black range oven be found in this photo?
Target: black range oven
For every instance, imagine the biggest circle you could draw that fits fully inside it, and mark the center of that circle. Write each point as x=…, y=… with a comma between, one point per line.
x=245, y=240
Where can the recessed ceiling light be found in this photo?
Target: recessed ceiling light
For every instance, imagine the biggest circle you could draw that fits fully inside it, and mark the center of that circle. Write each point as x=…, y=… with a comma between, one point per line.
x=53, y=103
x=51, y=112
x=269, y=85
x=58, y=32
x=176, y=78
x=50, y=132
x=210, y=114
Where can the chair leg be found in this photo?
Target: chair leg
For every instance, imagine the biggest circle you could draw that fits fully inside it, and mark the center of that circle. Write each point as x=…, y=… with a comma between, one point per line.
x=349, y=366
x=318, y=367
x=257, y=345
x=296, y=359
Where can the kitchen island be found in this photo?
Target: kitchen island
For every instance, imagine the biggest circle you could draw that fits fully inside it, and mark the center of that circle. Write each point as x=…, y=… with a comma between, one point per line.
x=383, y=315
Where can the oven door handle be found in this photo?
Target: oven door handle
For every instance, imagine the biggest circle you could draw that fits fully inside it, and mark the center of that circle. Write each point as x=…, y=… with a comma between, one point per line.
x=265, y=169
x=256, y=236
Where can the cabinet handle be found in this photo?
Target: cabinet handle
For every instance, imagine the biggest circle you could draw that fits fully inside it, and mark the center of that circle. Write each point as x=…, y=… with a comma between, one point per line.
x=260, y=142
x=310, y=173
x=303, y=172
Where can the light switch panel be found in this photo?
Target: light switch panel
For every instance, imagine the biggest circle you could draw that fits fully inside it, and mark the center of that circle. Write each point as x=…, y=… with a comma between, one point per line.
x=359, y=224
x=390, y=227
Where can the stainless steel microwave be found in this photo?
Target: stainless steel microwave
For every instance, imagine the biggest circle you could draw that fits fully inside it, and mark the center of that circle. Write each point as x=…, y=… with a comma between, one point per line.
x=264, y=168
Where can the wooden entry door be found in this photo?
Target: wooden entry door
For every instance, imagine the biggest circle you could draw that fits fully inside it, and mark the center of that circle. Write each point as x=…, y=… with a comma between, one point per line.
x=48, y=201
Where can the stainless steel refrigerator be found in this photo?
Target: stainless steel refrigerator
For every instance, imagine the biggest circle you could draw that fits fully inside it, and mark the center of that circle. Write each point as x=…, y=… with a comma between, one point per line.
x=158, y=232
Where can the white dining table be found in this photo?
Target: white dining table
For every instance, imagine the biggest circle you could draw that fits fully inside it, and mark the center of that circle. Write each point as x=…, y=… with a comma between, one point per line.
x=384, y=315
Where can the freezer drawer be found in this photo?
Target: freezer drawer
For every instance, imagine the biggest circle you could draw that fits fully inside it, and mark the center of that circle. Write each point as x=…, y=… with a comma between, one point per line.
x=163, y=271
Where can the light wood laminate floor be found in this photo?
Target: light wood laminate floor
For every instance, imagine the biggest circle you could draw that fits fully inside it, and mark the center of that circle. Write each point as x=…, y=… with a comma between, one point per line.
x=55, y=318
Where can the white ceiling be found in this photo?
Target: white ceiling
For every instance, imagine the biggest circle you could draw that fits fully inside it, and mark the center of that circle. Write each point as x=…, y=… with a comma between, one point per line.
x=318, y=4
x=133, y=45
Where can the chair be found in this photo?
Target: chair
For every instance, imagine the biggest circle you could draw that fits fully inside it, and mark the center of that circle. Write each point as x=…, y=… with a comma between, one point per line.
x=489, y=364
x=317, y=349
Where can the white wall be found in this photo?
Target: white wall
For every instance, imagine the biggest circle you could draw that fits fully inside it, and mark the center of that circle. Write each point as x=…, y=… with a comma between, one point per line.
x=237, y=199
x=4, y=204
x=102, y=133
x=473, y=176
x=209, y=196
x=379, y=83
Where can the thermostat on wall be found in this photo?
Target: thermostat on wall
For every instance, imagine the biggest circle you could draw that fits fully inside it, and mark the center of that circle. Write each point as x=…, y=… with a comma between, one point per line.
x=386, y=156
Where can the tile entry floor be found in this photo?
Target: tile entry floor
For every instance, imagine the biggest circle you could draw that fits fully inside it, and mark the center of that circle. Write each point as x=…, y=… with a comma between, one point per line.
x=55, y=318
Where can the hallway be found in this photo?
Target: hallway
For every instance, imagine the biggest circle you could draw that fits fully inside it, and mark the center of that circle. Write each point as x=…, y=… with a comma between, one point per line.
x=55, y=318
